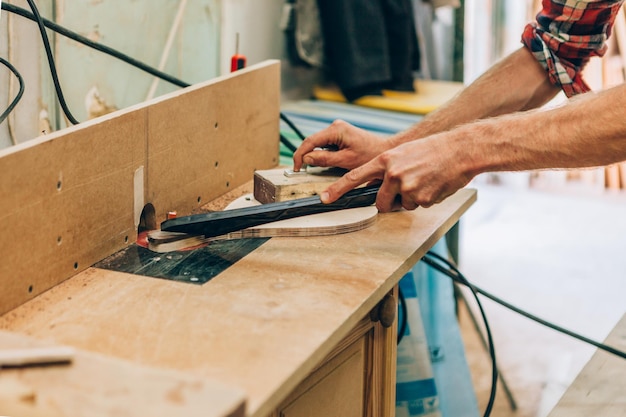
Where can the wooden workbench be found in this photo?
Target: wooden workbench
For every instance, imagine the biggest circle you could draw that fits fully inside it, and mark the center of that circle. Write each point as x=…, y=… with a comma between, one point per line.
x=262, y=325
x=600, y=388
x=287, y=319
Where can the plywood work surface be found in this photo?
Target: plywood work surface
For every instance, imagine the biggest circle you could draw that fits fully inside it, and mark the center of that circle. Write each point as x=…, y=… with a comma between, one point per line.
x=263, y=324
x=600, y=388
x=96, y=385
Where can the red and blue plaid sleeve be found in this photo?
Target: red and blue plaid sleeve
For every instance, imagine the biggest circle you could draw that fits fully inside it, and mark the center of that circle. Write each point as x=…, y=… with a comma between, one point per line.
x=566, y=34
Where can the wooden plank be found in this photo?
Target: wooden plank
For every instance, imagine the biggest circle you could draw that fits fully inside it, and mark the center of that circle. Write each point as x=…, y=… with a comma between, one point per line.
x=386, y=363
x=600, y=388
x=271, y=185
x=263, y=324
x=95, y=385
x=209, y=142
x=69, y=198
x=67, y=203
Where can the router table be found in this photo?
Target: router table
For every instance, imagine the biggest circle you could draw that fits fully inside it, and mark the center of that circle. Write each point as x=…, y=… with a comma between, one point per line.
x=284, y=331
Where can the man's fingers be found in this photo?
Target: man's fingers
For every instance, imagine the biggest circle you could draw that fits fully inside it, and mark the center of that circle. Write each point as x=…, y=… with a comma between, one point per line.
x=336, y=190
x=304, y=151
x=346, y=183
x=325, y=138
x=323, y=158
x=386, y=198
x=408, y=203
x=349, y=181
x=298, y=155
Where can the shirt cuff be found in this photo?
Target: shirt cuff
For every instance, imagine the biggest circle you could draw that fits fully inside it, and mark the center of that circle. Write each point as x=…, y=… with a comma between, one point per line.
x=561, y=72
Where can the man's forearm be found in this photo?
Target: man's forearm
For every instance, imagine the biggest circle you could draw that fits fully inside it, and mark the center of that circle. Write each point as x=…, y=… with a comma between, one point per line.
x=589, y=130
x=516, y=83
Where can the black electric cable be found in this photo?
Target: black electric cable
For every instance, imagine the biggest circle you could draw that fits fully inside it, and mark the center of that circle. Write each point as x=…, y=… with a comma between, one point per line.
x=17, y=98
x=95, y=45
x=291, y=125
x=431, y=260
x=287, y=144
x=53, y=71
x=405, y=314
x=460, y=278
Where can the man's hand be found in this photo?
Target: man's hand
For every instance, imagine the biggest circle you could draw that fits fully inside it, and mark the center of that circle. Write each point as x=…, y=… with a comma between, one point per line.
x=354, y=147
x=421, y=173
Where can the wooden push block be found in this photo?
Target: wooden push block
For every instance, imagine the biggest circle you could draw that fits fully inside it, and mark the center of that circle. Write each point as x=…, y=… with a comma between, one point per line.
x=273, y=185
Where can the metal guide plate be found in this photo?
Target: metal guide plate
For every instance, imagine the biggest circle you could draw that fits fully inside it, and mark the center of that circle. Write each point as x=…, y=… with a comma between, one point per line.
x=196, y=266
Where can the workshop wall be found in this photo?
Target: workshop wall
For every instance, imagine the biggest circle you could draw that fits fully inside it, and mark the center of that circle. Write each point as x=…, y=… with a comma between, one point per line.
x=261, y=36
x=203, y=36
x=141, y=29
x=93, y=83
x=19, y=44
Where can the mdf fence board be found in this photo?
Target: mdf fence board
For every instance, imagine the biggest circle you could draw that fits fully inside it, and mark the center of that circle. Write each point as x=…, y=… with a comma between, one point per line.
x=68, y=199
x=67, y=202
x=211, y=140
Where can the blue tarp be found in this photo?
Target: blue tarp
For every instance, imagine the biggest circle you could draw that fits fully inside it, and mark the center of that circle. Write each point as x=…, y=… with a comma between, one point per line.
x=437, y=313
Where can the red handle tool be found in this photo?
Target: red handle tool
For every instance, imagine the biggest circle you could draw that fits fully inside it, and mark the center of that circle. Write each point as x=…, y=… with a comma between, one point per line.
x=237, y=61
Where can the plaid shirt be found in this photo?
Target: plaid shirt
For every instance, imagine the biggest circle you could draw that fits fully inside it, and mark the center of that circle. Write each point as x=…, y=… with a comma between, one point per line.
x=567, y=33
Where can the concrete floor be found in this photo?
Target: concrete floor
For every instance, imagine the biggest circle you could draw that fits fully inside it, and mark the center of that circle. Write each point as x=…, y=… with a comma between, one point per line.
x=558, y=252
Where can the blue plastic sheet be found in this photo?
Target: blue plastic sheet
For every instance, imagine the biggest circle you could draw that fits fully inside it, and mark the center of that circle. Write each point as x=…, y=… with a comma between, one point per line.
x=433, y=377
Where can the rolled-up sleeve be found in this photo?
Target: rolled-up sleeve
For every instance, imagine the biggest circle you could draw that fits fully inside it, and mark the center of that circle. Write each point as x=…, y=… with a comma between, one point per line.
x=566, y=34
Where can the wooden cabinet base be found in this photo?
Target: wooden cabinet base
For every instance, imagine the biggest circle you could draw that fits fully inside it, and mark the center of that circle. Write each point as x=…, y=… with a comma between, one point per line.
x=357, y=379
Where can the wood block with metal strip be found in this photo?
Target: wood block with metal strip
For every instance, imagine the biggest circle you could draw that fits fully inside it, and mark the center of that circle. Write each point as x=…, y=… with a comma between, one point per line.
x=273, y=185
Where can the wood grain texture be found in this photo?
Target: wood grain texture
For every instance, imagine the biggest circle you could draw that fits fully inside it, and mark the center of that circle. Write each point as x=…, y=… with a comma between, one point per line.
x=67, y=203
x=600, y=388
x=263, y=324
x=68, y=197
x=95, y=385
x=272, y=185
x=337, y=389
x=385, y=357
x=212, y=141
x=377, y=373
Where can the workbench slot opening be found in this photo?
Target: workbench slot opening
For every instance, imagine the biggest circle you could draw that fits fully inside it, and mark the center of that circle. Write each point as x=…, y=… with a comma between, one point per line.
x=147, y=220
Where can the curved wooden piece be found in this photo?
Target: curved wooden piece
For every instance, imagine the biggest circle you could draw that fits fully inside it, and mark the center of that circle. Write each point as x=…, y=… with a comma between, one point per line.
x=322, y=224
